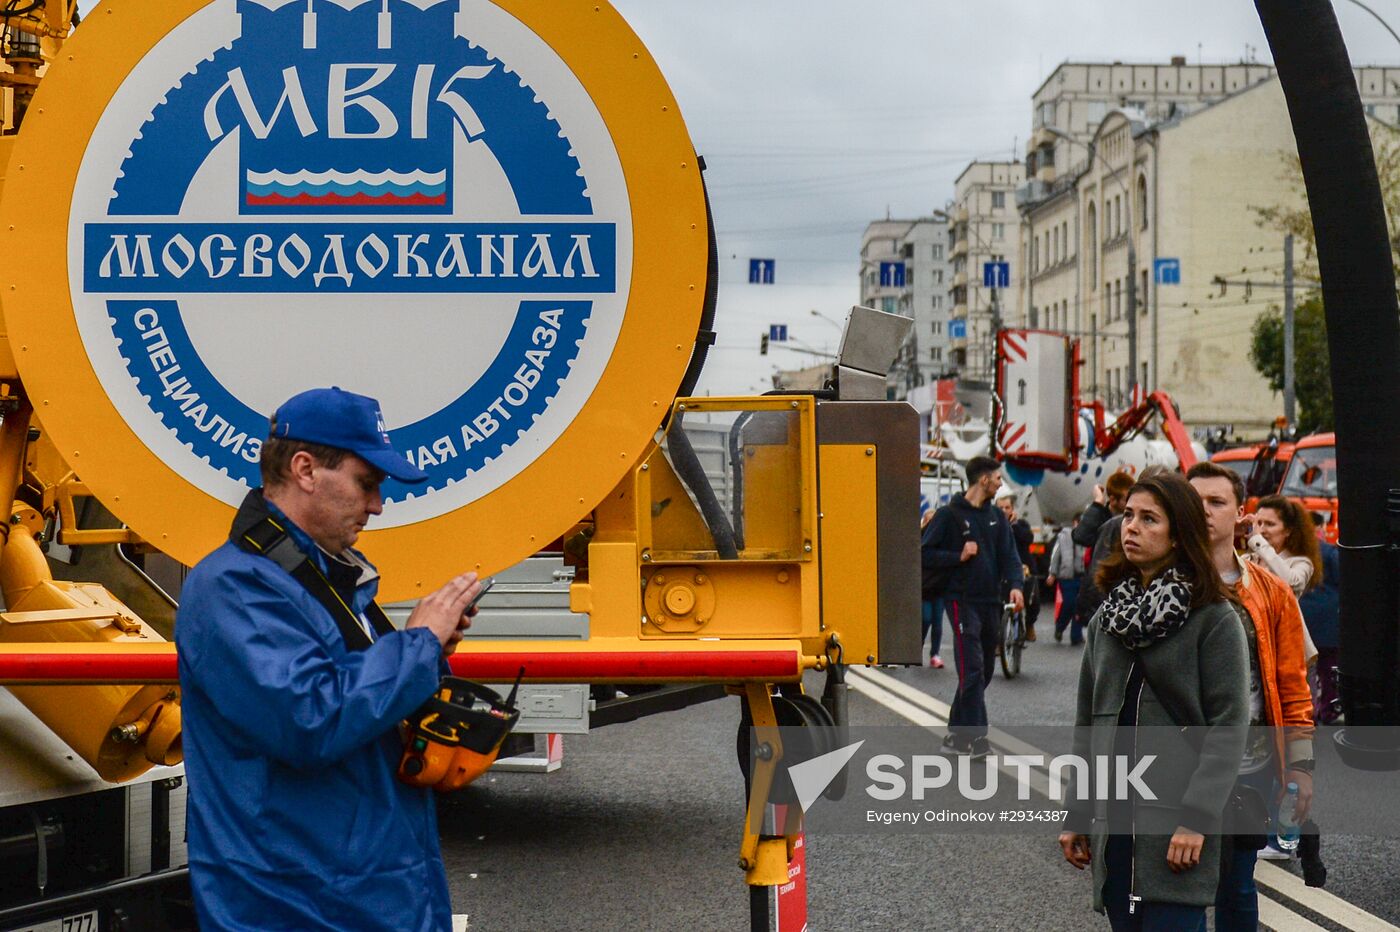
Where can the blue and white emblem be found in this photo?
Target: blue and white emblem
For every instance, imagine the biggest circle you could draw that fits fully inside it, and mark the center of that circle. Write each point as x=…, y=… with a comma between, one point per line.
x=413, y=199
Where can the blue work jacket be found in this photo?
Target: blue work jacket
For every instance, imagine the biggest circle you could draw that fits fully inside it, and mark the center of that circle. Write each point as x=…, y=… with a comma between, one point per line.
x=296, y=820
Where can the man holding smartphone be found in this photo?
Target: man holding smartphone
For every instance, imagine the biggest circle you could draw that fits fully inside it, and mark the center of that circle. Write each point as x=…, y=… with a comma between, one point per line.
x=294, y=682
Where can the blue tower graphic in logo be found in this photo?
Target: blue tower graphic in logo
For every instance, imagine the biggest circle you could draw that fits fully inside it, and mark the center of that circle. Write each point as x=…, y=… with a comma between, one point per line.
x=348, y=117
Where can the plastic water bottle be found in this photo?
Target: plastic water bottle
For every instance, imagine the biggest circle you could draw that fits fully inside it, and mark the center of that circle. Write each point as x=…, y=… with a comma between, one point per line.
x=1288, y=820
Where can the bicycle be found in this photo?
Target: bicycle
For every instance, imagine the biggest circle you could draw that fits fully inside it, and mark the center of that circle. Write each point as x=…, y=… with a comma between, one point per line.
x=1013, y=640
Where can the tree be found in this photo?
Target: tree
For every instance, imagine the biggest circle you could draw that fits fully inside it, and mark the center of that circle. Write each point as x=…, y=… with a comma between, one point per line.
x=1296, y=218
x=1311, y=371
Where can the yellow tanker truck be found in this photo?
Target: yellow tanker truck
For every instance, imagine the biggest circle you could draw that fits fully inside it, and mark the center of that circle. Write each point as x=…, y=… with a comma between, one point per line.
x=488, y=215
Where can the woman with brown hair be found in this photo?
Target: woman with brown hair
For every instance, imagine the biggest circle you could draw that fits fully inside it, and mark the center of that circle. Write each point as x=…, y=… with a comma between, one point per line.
x=1164, y=649
x=1282, y=539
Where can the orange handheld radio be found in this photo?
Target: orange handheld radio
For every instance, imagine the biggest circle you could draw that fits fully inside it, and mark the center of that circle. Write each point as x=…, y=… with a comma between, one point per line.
x=455, y=736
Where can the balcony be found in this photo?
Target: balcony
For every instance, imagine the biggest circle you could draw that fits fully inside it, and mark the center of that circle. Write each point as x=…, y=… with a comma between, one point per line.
x=958, y=312
x=1031, y=193
x=959, y=248
x=1041, y=137
x=960, y=278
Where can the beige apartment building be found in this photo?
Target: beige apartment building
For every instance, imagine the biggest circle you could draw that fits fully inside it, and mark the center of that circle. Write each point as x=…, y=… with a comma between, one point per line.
x=1176, y=178
x=983, y=227
x=921, y=246
x=1180, y=191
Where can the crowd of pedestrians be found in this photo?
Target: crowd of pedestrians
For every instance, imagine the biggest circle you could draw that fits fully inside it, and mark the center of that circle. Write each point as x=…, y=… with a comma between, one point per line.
x=1191, y=613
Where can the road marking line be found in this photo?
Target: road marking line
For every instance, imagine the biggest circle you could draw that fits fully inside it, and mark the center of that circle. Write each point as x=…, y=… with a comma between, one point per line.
x=929, y=712
x=922, y=709
x=1319, y=901
x=899, y=688
x=459, y=922
x=1280, y=918
x=895, y=704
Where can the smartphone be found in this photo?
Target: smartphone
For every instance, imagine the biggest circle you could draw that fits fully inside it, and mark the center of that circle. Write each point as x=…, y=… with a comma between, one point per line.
x=485, y=588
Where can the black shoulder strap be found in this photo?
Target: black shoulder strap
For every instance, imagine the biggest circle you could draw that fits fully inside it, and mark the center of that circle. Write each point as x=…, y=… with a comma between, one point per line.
x=269, y=539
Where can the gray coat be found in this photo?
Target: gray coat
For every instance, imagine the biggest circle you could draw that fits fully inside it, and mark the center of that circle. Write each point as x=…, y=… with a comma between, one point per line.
x=1201, y=673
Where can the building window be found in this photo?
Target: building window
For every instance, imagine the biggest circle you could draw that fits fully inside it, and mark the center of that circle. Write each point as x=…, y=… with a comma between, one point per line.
x=1142, y=293
x=1064, y=238
x=1117, y=312
x=938, y=276
x=998, y=231
x=998, y=200
x=937, y=303
x=889, y=305
x=1141, y=203
x=937, y=251
x=1091, y=242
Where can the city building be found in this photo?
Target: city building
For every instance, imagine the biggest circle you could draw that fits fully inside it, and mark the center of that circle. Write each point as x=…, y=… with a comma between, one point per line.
x=983, y=228
x=905, y=270
x=1127, y=245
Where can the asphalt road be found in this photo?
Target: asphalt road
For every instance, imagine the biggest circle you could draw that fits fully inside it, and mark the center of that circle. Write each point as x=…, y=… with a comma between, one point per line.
x=640, y=829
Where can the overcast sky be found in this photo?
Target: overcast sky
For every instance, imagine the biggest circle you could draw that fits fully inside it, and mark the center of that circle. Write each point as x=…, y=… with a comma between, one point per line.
x=817, y=116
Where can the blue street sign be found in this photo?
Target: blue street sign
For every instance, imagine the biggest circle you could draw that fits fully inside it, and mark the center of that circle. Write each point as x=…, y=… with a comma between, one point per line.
x=996, y=274
x=761, y=271
x=777, y=333
x=1166, y=271
x=957, y=329
x=891, y=274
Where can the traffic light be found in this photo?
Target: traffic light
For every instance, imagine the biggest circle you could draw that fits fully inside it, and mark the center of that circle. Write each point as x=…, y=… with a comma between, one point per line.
x=763, y=345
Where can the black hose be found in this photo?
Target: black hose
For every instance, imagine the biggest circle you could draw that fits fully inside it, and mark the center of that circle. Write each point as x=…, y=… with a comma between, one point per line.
x=736, y=475
x=692, y=474
x=8, y=12
x=705, y=335
x=1354, y=258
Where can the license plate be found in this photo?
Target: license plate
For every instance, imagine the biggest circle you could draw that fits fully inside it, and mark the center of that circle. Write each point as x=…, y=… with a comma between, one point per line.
x=79, y=922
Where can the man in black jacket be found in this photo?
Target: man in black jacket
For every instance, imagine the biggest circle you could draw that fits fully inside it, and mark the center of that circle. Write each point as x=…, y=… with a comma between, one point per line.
x=970, y=539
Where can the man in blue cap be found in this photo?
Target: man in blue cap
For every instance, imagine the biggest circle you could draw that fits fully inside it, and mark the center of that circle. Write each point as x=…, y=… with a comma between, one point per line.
x=293, y=683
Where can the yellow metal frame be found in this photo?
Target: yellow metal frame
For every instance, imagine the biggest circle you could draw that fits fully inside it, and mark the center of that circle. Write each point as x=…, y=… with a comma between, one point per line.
x=597, y=449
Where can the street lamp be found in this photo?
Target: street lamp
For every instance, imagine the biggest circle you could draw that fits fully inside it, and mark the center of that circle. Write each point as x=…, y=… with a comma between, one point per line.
x=1132, y=250
x=830, y=320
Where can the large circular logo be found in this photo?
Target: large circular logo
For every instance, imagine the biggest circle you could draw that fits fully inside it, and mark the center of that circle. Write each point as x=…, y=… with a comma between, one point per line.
x=438, y=203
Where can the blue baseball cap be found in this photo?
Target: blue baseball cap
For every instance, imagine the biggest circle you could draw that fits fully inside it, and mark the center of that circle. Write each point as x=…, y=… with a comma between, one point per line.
x=346, y=421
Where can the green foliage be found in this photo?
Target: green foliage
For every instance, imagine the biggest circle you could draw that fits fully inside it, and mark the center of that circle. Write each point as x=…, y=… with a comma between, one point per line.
x=1312, y=369
x=1312, y=372
x=1296, y=218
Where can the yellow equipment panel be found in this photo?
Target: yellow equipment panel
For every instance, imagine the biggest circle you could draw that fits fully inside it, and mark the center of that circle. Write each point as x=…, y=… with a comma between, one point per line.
x=488, y=215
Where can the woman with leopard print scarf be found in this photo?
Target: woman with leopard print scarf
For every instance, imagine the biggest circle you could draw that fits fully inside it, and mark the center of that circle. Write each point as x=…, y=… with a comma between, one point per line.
x=1164, y=649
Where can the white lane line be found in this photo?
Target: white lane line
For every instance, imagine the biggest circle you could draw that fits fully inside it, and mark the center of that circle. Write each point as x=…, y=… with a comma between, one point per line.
x=903, y=699
x=1280, y=918
x=459, y=922
x=889, y=691
x=1319, y=901
x=900, y=688
x=897, y=705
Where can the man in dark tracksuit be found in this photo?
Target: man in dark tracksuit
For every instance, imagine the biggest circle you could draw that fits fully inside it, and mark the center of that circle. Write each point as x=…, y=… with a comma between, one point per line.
x=973, y=537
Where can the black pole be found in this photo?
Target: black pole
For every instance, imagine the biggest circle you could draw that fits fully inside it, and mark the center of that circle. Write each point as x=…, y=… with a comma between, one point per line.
x=1363, y=334
x=759, y=918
